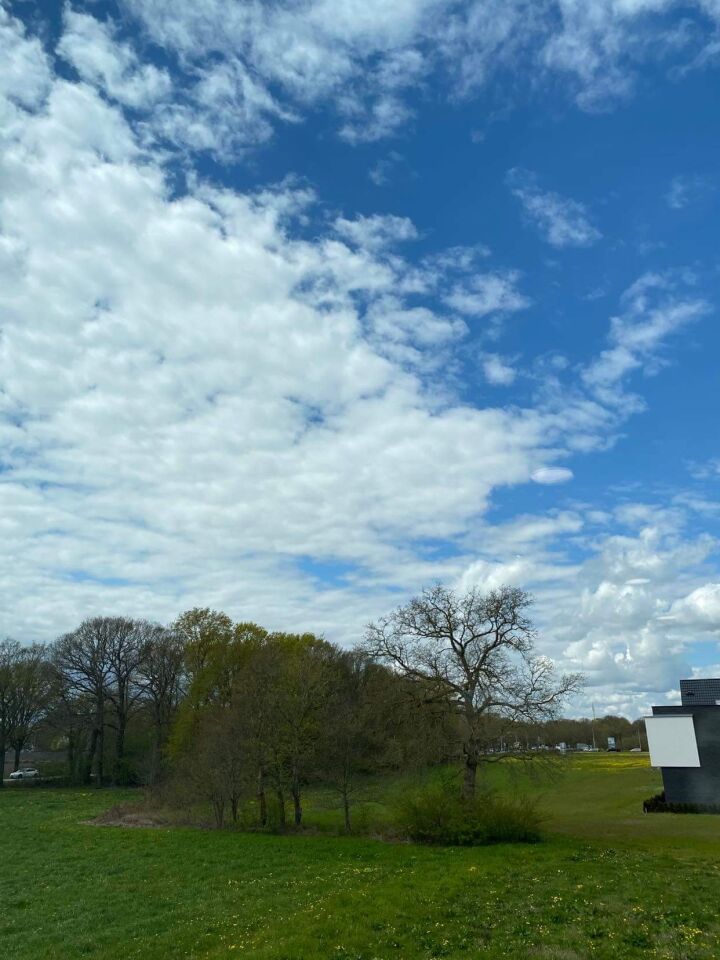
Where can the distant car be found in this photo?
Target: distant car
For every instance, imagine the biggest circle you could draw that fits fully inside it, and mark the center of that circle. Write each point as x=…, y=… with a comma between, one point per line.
x=27, y=773
x=635, y=750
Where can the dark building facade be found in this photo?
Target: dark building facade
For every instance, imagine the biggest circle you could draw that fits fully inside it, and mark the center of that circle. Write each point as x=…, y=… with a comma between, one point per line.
x=700, y=693
x=685, y=743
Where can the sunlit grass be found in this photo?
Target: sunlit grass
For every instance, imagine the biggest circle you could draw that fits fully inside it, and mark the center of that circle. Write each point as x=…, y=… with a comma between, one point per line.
x=608, y=882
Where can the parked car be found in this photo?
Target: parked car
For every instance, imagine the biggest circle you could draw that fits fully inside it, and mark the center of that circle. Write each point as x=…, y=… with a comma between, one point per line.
x=635, y=750
x=27, y=773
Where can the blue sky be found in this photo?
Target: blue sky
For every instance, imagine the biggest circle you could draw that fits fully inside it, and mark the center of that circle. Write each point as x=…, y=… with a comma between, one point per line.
x=306, y=305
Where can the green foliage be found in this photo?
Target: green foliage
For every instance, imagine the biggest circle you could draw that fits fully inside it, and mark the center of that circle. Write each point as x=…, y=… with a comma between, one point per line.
x=608, y=883
x=437, y=813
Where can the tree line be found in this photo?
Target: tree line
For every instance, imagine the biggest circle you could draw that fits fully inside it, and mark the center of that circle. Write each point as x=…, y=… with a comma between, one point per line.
x=238, y=715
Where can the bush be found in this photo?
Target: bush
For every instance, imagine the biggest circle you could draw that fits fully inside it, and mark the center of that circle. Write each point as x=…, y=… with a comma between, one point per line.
x=436, y=813
x=658, y=804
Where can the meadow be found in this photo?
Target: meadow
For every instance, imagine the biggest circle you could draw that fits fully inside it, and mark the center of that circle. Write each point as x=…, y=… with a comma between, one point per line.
x=606, y=882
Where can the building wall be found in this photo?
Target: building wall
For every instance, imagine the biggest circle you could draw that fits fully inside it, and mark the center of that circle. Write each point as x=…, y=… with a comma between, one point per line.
x=696, y=693
x=701, y=784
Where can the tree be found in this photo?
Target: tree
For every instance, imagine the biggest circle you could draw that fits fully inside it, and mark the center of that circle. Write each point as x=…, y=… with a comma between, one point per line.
x=216, y=769
x=72, y=715
x=128, y=644
x=476, y=653
x=206, y=637
x=203, y=633
x=10, y=651
x=161, y=676
x=32, y=682
x=299, y=710
x=83, y=660
x=355, y=734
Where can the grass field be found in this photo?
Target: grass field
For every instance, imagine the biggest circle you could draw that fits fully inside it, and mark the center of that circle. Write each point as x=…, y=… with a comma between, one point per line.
x=607, y=882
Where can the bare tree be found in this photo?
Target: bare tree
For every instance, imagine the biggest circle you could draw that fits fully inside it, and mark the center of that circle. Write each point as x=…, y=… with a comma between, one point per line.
x=83, y=662
x=31, y=697
x=475, y=652
x=216, y=769
x=10, y=651
x=73, y=716
x=160, y=676
x=127, y=647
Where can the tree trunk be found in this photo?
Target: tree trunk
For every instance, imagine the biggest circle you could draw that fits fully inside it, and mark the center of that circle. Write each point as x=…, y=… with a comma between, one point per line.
x=155, y=762
x=282, y=819
x=346, y=811
x=16, y=760
x=119, y=766
x=2, y=766
x=100, y=742
x=72, y=772
x=234, y=804
x=262, y=800
x=90, y=759
x=296, y=800
x=219, y=810
x=470, y=777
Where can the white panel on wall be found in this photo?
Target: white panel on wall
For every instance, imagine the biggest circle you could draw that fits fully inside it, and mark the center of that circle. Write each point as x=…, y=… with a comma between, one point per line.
x=671, y=739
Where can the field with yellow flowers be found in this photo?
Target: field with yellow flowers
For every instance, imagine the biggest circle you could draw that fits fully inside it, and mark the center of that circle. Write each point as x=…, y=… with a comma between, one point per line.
x=606, y=882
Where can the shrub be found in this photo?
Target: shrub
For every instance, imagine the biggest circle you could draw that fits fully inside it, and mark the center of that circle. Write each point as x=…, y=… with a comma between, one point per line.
x=658, y=804
x=436, y=813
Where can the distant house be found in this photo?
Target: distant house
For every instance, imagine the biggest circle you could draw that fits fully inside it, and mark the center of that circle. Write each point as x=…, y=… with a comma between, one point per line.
x=684, y=742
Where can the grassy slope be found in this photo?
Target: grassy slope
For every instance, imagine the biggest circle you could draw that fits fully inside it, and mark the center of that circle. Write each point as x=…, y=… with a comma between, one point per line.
x=608, y=883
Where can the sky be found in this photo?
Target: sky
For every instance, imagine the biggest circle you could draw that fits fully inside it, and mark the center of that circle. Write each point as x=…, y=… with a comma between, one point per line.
x=306, y=305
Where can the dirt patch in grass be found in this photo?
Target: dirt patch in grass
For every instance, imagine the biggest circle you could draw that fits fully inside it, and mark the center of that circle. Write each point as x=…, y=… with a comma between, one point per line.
x=119, y=816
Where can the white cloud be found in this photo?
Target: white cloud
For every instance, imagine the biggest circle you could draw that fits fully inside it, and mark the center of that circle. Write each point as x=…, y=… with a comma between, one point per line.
x=376, y=231
x=385, y=169
x=93, y=49
x=600, y=44
x=199, y=403
x=563, y=222
x=685, y=190
x=385, y=117
x=551, y=475
x=487, y=293
x=497, y=371
x=393, y=322
x=24, y=70
x=363, y=58
x=188, y=389
x=700, y=608
x=630, y=612
x=653, y=311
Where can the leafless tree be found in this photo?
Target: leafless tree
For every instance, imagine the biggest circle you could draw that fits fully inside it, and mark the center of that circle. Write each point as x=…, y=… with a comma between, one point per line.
x=475, y=652
x=31, y=697
x=9, y=655
x=160, y=676
x=217, y=768
x=128, y=643
x=82, y=659
x=99, y=660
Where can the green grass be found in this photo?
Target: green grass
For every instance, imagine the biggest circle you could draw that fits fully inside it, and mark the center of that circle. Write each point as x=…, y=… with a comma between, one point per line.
x=608, y=882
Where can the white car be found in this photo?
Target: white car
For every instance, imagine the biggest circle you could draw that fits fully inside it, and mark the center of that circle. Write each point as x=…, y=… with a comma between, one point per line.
x=27, y=773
